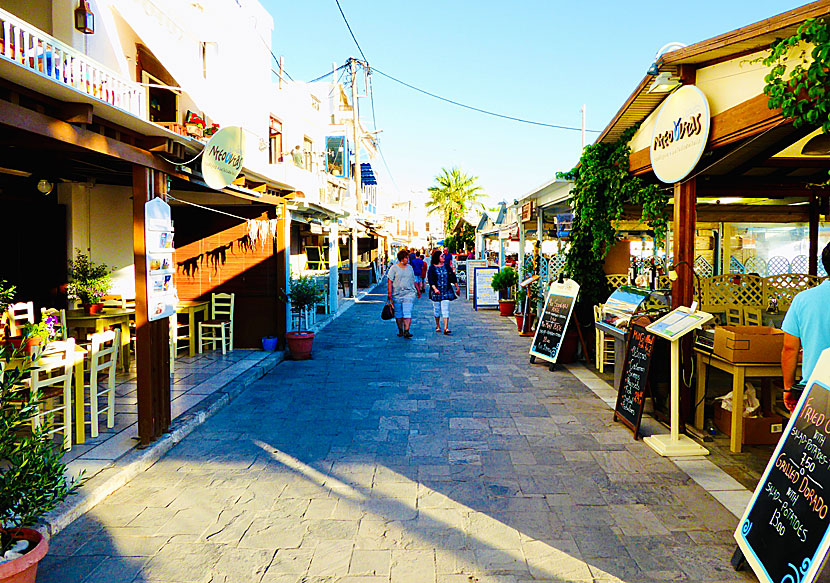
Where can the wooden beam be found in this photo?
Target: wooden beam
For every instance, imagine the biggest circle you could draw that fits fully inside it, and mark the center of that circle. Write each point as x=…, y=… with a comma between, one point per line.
x=812, y=256
x=142, y=184
x=683, y=229
x=738, y=213
x=24, y=119
x=76, y=113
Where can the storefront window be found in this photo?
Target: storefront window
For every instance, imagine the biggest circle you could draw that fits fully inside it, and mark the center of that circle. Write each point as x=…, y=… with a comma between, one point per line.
x=772, y=248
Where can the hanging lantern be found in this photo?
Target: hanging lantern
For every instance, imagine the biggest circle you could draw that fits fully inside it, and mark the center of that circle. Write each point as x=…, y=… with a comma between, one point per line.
x=84, y=18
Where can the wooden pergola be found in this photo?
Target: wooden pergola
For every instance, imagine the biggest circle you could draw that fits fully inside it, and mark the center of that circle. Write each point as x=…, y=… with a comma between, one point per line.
x=753, y=152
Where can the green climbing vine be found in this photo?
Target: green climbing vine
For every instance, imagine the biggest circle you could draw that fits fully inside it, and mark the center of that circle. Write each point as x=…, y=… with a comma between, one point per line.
x=799, y=77
x=602, y=185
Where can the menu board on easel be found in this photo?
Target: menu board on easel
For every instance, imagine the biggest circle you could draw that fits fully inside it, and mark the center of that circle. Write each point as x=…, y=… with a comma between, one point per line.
x=553, y=323
x=632, y=389
x=783, y=533
x=471, y=271
x=161, y=270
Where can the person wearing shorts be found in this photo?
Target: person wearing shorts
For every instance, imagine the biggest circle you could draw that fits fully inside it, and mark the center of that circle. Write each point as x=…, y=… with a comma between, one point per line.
x=402, y=293
x=441, y=282
x=418, y=267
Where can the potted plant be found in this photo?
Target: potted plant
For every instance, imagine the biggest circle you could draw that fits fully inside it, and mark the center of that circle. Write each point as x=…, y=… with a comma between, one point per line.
x=32, y=477
x=303, y=293
x=90, y=282
x=533, y=291
x=7, y=292
x=503, y=281
x=34, y=335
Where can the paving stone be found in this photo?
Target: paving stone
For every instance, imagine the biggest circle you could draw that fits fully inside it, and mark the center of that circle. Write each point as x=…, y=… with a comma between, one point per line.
x=462, y=464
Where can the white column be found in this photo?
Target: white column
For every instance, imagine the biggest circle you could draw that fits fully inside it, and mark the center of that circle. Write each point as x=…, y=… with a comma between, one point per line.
x=354, y=262
x=521, y=249
x=501, y=252
x=540, y=216
x=289, y=323
x=334, y=245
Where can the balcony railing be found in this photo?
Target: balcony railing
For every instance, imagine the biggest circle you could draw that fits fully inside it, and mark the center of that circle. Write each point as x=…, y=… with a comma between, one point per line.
x=22, y=43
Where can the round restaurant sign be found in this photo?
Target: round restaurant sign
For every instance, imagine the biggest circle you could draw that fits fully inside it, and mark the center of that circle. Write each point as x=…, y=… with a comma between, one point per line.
x=222, y=157
x=680, y=134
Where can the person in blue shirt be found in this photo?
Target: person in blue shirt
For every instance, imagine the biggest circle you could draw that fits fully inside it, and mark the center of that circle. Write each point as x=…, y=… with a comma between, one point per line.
x=418, y=267
x=806, y=327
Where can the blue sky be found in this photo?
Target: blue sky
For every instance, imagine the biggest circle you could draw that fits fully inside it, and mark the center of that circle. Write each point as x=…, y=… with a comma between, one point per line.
x=533, y=59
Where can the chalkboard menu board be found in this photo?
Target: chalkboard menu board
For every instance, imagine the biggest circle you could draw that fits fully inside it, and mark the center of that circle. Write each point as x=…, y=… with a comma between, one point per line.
x=632, y=389
x=783, y=533
x=554, y=320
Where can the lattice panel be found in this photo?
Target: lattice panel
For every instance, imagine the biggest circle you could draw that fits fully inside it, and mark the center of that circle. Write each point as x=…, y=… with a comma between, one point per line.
x=735, y=266
x=720, y=290
x=615, y=280
x=543, y=269
x=756, y=265
x=800, y=264
x=703, y=268
x=528, y=266
x=778, y=266
x=786, y=286
x=821, y=271
x=556, y=264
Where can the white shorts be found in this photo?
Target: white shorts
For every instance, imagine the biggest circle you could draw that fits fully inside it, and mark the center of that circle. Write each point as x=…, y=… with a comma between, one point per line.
x=403, y=308
x=441, y=309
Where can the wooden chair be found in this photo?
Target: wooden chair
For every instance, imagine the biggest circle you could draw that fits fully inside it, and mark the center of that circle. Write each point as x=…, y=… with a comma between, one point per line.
x=220, y=326
x=604, y=349
x=19, y=314
x=103, y=357
x=114, y=301
x=51, y=381
x=752, y=316
x=734, y=317
x=60, y=326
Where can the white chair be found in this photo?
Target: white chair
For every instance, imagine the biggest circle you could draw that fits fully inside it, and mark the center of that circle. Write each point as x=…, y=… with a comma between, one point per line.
x=752, y=316
x=114, y=301
x=604, y=343
x=103, y=357
x=51, y=381
x=735, y=316
x=19, y=314
x=220, y=326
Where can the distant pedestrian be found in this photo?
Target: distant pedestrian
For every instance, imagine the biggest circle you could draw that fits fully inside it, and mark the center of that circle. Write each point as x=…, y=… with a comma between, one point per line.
x=441, y=282
x=418, y=268
x=401, y=287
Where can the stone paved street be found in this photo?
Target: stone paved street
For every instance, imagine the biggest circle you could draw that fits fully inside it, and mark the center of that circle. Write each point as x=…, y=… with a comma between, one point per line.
x=431, y=460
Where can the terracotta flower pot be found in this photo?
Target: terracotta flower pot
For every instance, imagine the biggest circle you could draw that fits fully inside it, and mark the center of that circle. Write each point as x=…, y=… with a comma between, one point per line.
x=507, y=307
x=24, y=569
x=299, y=344
x=519, y=321
x=91, y=309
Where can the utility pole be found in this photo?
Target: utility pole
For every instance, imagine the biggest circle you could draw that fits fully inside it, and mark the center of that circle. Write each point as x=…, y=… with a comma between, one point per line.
x=356, y=119
x=583, y=126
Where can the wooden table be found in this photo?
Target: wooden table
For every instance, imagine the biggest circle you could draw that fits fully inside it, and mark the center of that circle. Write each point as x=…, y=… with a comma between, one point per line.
x=740, y=372
x=101, y=321
x=191, y=309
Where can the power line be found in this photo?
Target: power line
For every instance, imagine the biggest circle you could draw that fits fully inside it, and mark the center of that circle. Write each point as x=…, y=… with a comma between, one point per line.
x=326, y=74
x=350, y=30
x=494, y=114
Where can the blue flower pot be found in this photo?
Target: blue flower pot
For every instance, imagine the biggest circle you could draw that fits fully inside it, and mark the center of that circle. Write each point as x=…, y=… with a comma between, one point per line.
x=269, y=343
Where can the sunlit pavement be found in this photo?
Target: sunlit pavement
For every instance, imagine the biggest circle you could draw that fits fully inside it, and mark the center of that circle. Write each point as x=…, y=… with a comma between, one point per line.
x=429, y=460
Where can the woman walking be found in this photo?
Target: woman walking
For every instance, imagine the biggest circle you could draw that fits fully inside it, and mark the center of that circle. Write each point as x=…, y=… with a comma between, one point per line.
x=441, y=281
x=401, y=284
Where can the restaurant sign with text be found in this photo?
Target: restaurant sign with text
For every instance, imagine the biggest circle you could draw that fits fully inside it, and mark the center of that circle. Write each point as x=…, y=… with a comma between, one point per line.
x=680, y=134
x=222, y=157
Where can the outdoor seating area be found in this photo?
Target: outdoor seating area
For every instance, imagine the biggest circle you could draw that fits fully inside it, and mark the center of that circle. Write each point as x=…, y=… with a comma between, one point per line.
x=72, y=358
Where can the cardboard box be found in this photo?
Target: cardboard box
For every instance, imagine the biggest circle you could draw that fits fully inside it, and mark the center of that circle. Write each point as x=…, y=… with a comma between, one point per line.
x=745, y=344
x=757, y=430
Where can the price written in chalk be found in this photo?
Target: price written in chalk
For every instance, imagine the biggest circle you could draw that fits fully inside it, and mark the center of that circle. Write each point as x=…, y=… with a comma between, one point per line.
x=787, y=520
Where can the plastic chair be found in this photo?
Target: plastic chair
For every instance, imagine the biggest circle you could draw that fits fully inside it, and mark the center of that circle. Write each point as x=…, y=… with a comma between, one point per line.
x=19, y=314
x=103, y=357
x=51, y=381
x=220, y=326
x=752, y=316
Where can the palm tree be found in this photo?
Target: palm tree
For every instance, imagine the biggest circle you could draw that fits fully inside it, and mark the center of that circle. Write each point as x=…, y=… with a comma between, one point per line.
x=454, y=194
